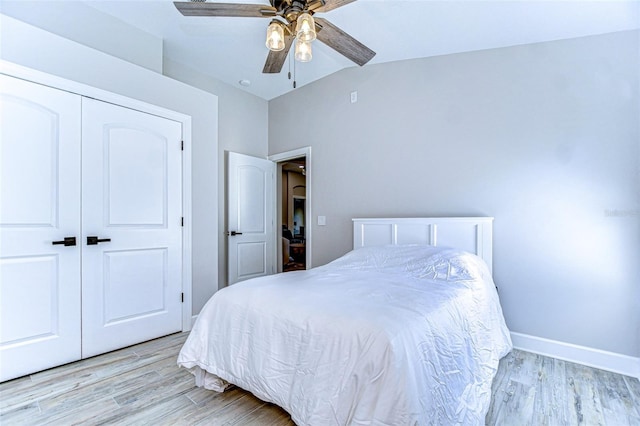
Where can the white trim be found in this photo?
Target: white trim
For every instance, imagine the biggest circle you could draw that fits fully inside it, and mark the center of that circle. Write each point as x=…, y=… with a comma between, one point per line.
x=290, y=155
x=60, y=83
x=597, y=358
x=187, y=278
x=71, y=86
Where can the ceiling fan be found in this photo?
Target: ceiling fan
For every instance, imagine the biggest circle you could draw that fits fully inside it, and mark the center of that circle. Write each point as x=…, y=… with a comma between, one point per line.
x=290, y=20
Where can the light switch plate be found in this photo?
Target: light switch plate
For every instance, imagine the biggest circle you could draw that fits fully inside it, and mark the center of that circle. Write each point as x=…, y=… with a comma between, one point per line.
x=322, y=220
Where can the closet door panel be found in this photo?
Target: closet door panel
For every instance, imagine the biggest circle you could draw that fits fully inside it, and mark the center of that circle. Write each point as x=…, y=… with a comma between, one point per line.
x=132, y=197
x=39, y=204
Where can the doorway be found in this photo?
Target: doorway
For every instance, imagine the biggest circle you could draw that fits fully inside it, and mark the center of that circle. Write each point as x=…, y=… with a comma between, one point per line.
x=293, y=201
x=293, y=197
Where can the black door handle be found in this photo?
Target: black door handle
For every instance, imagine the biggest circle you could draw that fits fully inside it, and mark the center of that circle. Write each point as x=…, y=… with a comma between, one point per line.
x=234, y=233
x=93, y=240
x=68, y=241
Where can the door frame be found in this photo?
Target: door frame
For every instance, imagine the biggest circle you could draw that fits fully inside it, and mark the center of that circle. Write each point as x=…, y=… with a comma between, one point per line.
x=282, y=158
x=60, y=83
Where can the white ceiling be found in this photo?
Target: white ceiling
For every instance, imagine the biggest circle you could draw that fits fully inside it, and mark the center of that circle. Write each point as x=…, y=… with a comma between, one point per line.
x=232, y=49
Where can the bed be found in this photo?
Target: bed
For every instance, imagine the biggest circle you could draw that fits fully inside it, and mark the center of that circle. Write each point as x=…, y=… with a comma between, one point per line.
x=402, y=330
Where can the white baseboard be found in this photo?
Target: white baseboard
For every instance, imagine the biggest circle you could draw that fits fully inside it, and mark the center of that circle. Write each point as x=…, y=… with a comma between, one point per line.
x=610, y=361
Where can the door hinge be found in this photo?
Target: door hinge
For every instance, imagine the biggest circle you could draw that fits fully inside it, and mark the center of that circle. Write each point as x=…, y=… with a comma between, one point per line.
x=182, y=297
x=182, y=221
x=181, y=145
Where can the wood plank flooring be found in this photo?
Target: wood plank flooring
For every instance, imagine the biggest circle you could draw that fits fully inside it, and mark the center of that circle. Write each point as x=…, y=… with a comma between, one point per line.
x=142, y=385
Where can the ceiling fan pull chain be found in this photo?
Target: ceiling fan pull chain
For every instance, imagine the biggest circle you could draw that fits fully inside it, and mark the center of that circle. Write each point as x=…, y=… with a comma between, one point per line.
x=294, y=74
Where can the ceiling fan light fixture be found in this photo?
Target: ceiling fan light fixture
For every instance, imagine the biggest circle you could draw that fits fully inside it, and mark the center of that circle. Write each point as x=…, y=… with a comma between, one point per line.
x=275, y=36
x=306, y=28
x=303, y=51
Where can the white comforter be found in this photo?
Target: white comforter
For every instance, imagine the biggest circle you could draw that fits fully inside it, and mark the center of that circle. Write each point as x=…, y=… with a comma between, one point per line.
x=395, y=335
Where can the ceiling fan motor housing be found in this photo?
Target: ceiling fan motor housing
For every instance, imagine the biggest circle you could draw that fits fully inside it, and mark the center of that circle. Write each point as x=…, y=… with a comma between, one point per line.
x=290, y=9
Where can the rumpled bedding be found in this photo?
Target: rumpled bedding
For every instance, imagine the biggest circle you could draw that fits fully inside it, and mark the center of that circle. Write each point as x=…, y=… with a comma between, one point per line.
x=394, y=335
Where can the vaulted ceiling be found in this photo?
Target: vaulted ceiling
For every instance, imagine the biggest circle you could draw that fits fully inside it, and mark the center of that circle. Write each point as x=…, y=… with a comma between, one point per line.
x=233, y=49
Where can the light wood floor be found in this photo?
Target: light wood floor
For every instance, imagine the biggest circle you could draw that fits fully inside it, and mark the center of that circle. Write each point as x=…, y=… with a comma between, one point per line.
x=142, y=385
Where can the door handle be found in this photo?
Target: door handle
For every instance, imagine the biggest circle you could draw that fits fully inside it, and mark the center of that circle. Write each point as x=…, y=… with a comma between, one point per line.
x=234, y=233
x=93, y=240
x=68, y=241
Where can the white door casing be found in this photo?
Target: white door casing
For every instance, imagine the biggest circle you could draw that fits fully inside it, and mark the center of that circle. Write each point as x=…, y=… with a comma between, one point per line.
x=250, y=215
x=131, y=195
x=39, y=204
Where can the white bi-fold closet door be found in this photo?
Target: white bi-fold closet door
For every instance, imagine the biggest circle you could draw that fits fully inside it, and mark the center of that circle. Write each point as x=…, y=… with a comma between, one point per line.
x=90, y=227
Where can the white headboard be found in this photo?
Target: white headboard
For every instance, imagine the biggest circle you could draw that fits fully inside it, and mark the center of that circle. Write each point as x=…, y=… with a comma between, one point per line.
x=472, y=234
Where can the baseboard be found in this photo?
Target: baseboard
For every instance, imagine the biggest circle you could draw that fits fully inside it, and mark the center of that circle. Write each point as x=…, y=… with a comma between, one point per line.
x=610, y=361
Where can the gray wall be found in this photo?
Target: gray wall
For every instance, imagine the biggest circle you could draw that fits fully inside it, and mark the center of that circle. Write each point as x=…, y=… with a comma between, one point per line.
x=543, y=137
x=78, y=21
x=242, y=121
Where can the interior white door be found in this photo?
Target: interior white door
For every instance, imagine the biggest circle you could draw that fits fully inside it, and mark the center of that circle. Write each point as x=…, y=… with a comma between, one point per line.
x=131, y=209
x=250, y=213
x=39, y=205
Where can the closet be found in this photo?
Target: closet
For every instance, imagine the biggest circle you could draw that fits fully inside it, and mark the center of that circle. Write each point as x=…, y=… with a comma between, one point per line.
x=90, y=227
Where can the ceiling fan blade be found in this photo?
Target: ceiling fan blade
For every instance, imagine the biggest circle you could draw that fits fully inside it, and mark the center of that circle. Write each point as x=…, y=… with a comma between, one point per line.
x=342, y=42
x=275, y=60
x=188, y=8
x=332, y=4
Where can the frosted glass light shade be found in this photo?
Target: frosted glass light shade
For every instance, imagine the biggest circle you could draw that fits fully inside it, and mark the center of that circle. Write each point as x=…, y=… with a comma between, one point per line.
x=275, y=37
x=303, y=51
x=306, y=28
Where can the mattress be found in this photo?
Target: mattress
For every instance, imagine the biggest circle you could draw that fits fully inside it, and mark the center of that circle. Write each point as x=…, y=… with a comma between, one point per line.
x=393, y=335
